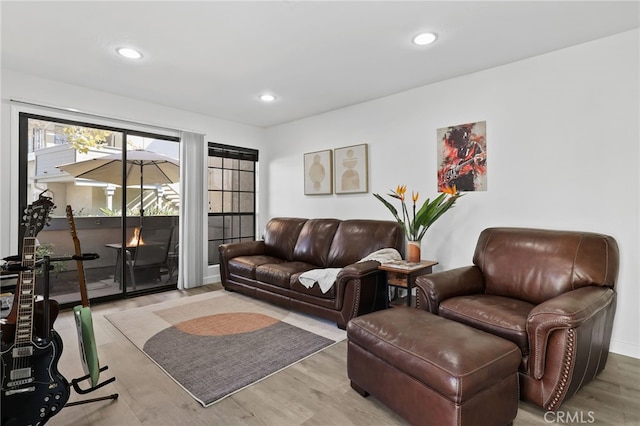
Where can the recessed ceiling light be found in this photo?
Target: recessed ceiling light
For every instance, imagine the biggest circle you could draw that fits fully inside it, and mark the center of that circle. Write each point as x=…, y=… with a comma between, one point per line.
x=424, y=39
x=127, y=52
x=267, y=97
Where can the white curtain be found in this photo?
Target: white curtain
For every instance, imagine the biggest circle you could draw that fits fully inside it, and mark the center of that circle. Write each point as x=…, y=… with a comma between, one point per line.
x=192, y=210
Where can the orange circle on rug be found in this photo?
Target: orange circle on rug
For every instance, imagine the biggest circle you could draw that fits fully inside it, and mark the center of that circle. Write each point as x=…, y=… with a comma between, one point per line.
x=225, y=324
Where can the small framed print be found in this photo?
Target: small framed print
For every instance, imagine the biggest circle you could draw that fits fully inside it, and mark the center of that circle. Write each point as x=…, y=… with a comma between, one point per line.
x=351, y=172
x=318, y=173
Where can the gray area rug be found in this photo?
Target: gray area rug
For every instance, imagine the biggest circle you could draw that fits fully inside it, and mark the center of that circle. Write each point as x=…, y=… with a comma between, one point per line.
x=218, y=343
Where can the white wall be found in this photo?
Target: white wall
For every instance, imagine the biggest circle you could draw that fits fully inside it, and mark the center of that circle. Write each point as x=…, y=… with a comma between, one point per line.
x=563, y=152
x=48, y=92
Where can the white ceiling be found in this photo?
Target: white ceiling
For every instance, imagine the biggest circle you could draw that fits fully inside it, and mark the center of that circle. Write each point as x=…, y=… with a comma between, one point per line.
x=215, y=57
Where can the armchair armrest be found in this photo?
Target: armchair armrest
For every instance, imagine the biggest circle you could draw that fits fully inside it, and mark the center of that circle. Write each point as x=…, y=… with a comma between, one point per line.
x=434, y=288
x=568, y=310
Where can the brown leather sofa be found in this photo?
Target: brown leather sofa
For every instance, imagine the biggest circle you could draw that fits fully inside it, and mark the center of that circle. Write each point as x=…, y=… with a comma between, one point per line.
x=549, y=292
x=269, y=269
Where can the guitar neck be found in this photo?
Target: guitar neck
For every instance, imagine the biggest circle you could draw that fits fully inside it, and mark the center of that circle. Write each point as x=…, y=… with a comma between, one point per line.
x=79, y=263
x=26, y=294
x=82, y=281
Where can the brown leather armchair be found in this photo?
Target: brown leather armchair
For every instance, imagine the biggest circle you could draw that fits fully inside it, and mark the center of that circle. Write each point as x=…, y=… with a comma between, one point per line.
x=550, y=292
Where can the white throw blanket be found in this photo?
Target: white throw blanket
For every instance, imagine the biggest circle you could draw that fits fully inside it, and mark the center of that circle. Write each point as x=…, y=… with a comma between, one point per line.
x=384, y=255
x=327, y=277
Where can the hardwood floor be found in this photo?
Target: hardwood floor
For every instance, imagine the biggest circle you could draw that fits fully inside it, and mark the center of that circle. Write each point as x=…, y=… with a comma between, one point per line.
x=313, y=392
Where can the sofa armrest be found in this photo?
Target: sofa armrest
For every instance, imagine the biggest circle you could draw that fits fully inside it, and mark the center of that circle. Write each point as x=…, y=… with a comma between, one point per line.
x=230, y=250
x=247, y=248
x=568, y=310
x=432, y=289
x=358, y=270
x=359, y=289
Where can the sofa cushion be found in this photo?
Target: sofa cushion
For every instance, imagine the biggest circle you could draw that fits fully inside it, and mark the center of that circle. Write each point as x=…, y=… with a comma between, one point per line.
x=536, y=265
x=355, y=239
x=245, y=266
x=281, y=235
x=315, y=240
x=279, y=274
x=501, y=316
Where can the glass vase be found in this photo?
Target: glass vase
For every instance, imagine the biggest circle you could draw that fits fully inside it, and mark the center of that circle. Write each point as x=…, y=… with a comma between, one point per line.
x=413, y=251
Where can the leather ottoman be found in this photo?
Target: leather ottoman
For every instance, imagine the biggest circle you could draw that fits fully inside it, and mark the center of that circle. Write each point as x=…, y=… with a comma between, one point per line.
x=433, y=371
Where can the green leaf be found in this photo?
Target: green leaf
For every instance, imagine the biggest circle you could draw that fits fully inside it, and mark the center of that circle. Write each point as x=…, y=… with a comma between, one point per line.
x=393, y=211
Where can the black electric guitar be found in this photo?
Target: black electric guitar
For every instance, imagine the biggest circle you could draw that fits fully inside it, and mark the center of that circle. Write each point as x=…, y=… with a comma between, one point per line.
x=32, y=388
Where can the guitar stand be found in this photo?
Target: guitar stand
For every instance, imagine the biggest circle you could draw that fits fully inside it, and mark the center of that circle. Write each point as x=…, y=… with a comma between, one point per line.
x=75, y=382
x=78, y=389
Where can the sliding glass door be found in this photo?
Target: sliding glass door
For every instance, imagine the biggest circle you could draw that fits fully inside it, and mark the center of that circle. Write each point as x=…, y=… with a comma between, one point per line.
x=121, y=185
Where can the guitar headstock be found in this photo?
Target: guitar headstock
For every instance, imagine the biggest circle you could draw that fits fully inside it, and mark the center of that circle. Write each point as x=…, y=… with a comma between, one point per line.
x=36, y=216
x=72, y=224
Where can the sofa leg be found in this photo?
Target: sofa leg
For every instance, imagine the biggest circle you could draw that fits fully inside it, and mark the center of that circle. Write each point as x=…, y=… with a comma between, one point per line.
x=358, y=389
x=341, y=326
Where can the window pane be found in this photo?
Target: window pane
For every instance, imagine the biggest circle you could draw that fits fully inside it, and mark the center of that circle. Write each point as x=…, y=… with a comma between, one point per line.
x=230, y=163
x=232, y=227
x=215, y=162
x=226, y=202
x=216, y=228
x=214, y=255
x=230, y=180
x=215, y=179
x=246, y=181
x=246, y=226
x=246, y=202
x=246, y=165
x=215, y=202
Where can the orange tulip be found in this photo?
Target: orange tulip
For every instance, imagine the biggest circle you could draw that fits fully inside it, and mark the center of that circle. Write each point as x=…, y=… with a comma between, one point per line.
x=415, y=196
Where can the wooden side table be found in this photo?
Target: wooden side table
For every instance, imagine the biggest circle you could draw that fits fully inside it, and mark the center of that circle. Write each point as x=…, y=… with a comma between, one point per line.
x=403, y=274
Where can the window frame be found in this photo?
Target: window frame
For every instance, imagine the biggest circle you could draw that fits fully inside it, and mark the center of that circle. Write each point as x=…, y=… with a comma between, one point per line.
x=230, y=217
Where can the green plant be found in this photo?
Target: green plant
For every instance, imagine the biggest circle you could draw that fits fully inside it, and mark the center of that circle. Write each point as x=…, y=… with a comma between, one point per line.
x=46, y=249
x=109, y=212
x=415, y=226
x=161, y=211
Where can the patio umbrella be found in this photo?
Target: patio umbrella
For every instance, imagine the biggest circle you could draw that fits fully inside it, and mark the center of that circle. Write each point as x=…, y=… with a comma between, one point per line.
x=142, y=167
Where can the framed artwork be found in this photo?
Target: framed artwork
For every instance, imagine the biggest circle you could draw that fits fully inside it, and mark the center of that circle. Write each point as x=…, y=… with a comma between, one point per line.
x=318, y=173
x=462, y=157
x=350, y=165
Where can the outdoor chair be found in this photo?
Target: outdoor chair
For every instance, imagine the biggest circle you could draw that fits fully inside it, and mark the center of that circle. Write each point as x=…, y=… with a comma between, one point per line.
x=149, y=255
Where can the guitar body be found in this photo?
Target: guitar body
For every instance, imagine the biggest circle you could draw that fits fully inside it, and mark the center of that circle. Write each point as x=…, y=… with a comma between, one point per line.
x=87, y=342
x=33, y=389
